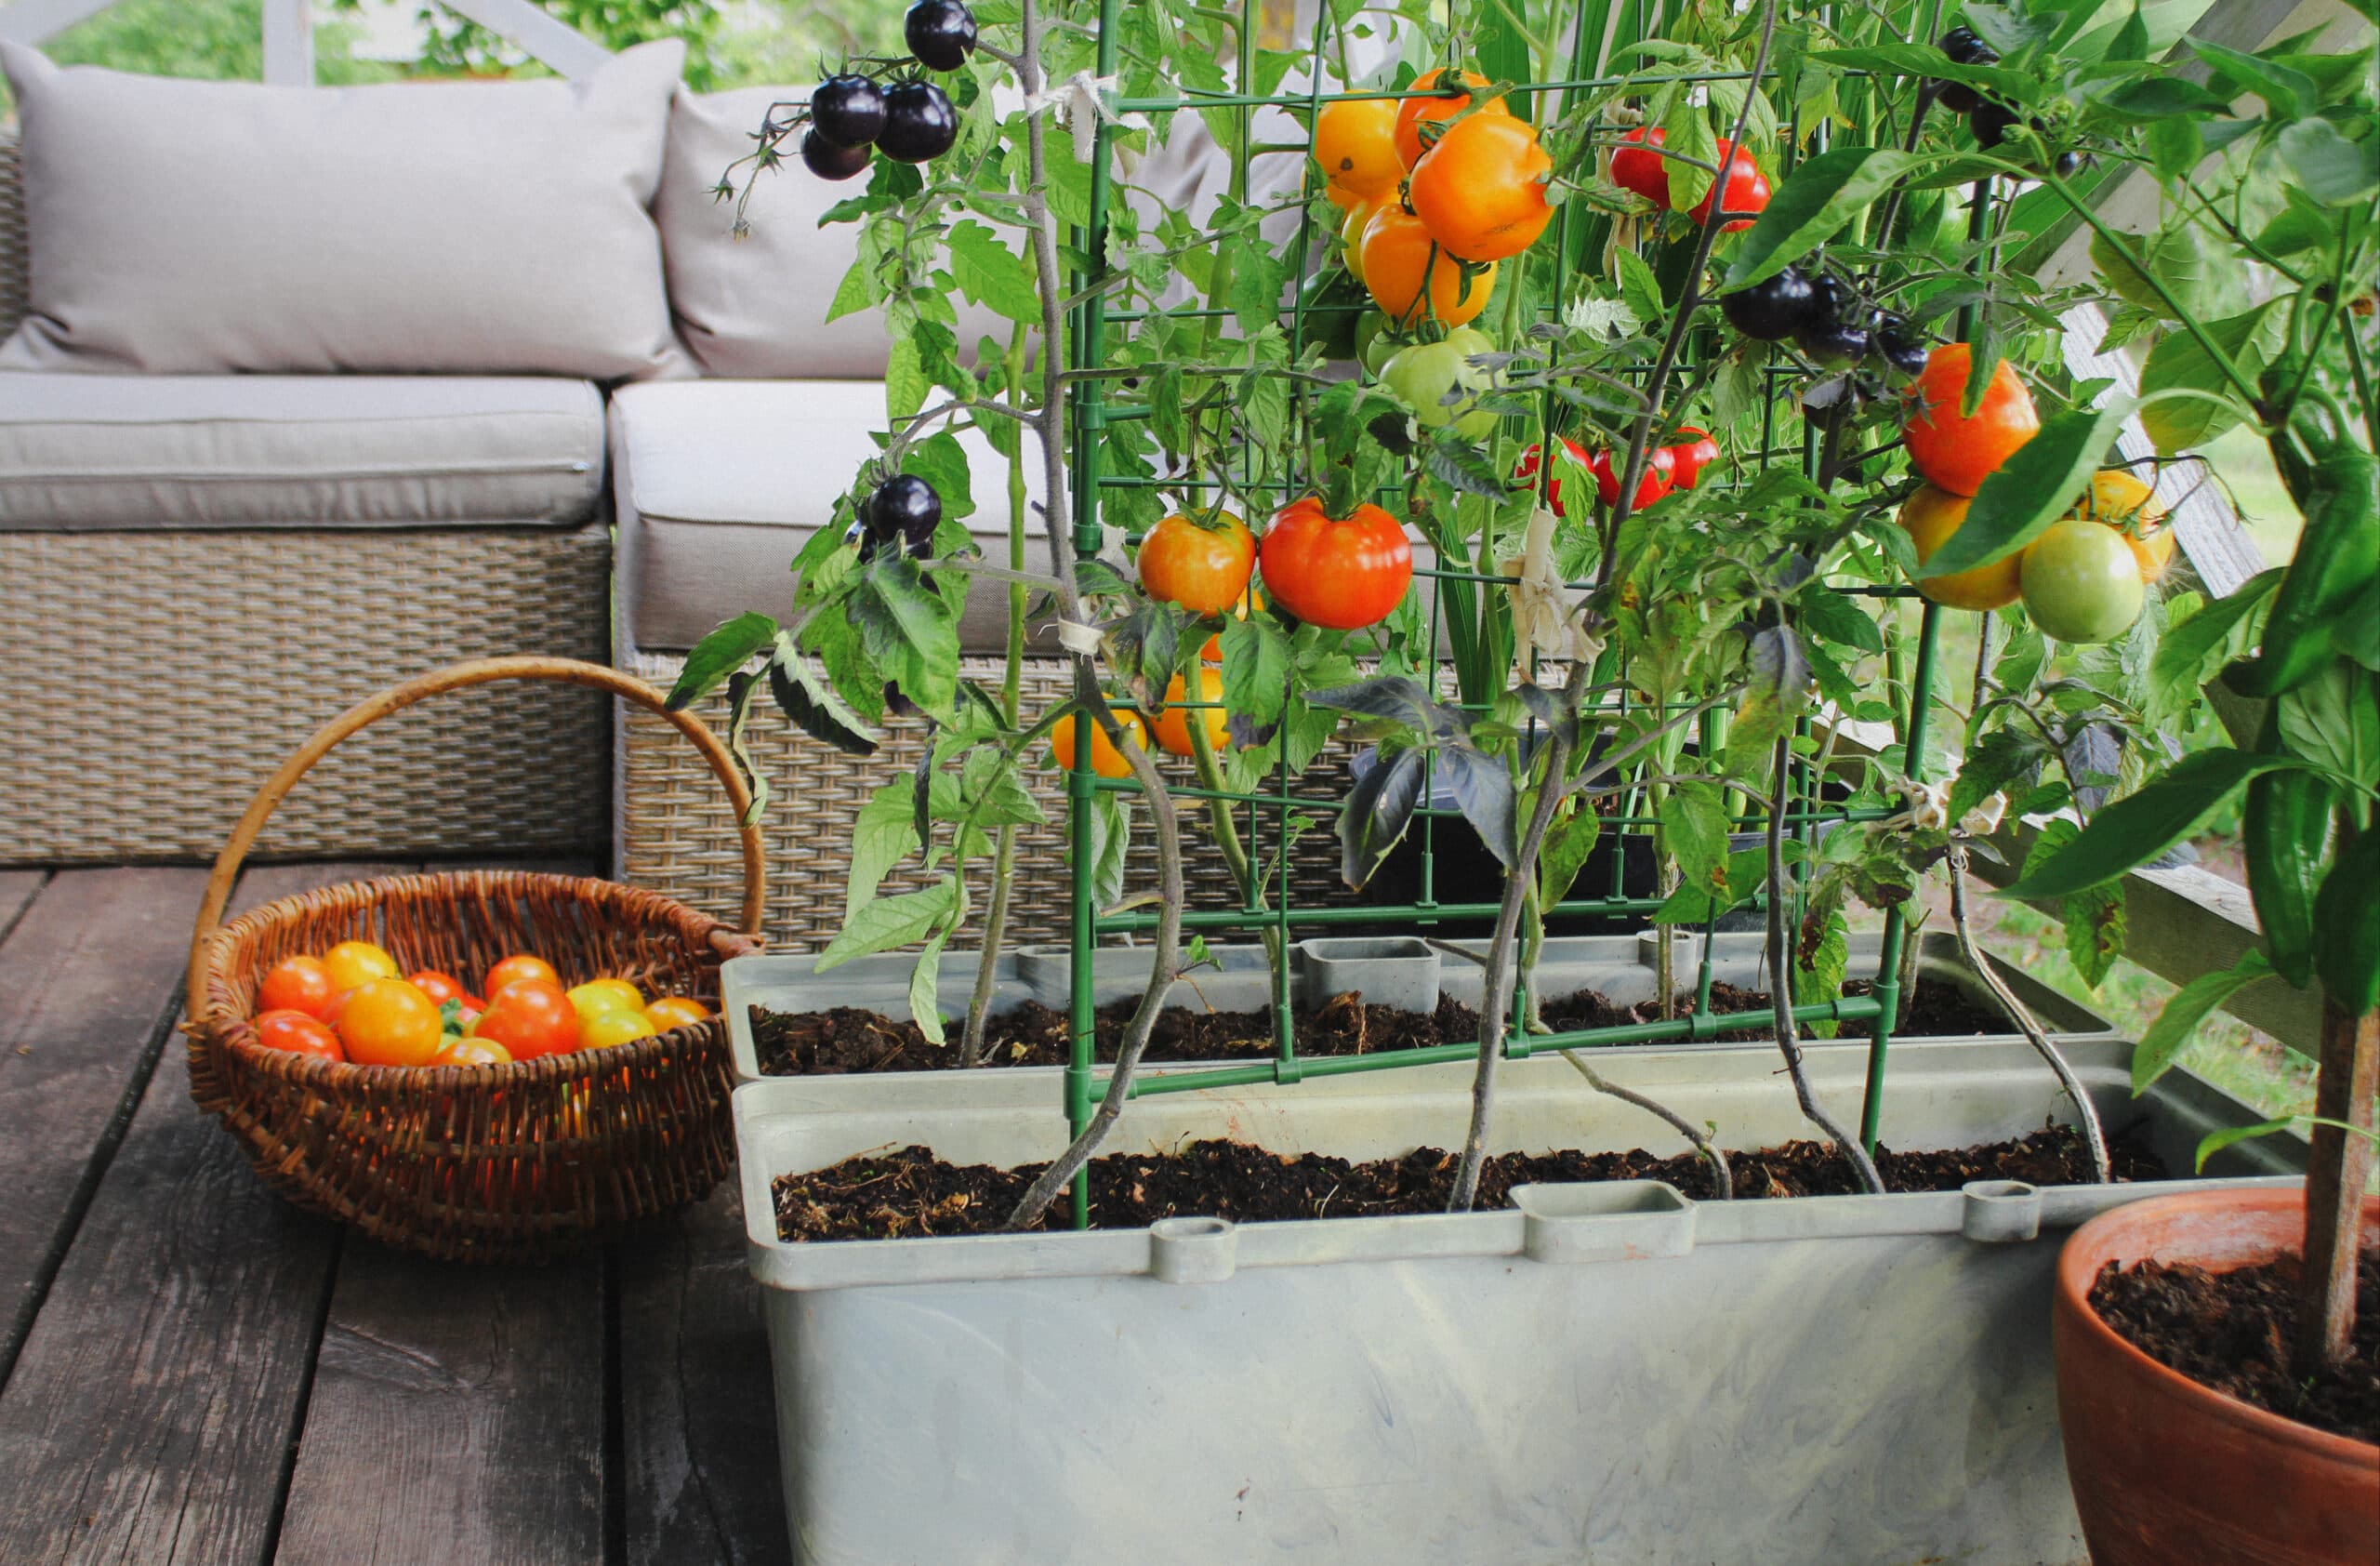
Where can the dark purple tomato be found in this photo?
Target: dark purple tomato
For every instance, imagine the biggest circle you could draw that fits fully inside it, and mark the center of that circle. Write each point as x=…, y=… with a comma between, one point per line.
x=1772, y=308
x=940, y=32
x=906, y=508
x=1900, y=346
x=828, y=161
x=919, y=123
x=848, y=110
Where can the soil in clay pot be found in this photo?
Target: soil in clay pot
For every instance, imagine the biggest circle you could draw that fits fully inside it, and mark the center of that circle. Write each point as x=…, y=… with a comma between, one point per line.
x=911, y=1193
x=2231, y=1331
x=849, y=1039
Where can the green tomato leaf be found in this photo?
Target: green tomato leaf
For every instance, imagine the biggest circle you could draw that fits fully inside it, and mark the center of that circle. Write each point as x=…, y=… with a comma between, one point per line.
x=729, y=648
x=883, y=924
x=1568, y=840
x=2334, y=169
x=2033, y=488
x=1815, y=202
x=925, y=1001
x=2139, y=827
x=991, y=274
x=2188, y=1007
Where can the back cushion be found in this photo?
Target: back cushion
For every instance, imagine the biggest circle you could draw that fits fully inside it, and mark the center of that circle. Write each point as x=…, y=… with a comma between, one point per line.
x=183, y=227
x=754, y=309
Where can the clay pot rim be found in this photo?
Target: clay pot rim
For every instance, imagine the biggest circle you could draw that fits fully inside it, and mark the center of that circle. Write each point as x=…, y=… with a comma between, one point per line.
x=2073, y=1298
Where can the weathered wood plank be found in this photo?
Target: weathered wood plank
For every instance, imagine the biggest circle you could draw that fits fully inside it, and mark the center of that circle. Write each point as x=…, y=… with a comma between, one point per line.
x=457, y=1415
x=150, y=1414
x=89, y=981
x=698, y=1415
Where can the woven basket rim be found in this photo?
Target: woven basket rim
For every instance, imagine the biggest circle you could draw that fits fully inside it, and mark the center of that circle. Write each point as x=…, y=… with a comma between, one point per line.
x=221, y=1021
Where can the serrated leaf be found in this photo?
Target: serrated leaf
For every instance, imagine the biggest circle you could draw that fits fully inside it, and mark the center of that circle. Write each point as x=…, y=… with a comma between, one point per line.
x=2179, y=362
x=884, y=832
x=1483, y=792
x=1638, y=288
x=731, y=645
x=809, y=702
x=1256, y=669
x=2094, y=919
x=1568, y=840
x=991, y=274
x=906, y=383
x=925, y=984
x=2002, y=762
x=1694, y=830
x=883, y=924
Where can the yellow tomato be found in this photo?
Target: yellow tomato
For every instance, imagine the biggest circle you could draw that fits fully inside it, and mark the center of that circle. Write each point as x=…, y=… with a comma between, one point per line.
x=2127, y=505
x=1105, y=759
x=597, y=996
x=350, y=964
x=1173, y=723
x=454, y=1051
x=1354, y=140
x=675, y=1011
x=389, y=1022
x=605, y=1029
x=1931, y=516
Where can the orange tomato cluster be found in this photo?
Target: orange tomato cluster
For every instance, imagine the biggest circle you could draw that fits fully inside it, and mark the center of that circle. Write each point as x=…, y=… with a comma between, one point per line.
x=1438, y=190
x=354, y=1003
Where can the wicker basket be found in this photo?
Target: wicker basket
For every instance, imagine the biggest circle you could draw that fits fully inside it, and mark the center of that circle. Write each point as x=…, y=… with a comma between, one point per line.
x=487, y=1163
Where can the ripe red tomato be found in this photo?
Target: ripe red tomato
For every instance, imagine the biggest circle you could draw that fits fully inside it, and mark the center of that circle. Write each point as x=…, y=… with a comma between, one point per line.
x=300, y=1033
x=1650, y=486
x=440, y=987
x=1481, y=190
x=297, y=984
x=1637, y=167
x=1950, y=450
x=519, y=966
x=1412, y=112
x=530, y=1017
x=1552, y=489
x=1742, y=190
x=1203, y=568
x=1690, y=455
x=388, y=1022
x=1342, y=574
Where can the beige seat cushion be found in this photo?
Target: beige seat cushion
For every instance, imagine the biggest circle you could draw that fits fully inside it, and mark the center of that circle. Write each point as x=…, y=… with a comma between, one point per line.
x=90, y=451
x=719, y=483
x=468, y=228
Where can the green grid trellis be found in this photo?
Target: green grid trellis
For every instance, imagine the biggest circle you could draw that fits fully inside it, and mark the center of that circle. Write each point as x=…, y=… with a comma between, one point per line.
x=1092, y=410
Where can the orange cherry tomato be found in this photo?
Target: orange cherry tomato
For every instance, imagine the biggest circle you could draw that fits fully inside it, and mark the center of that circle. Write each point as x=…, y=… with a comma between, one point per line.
x=1204, y=569
x=300, y=1033
x=1400, y=256
x=1105, y=759
x=1413, y=113
x=2127, y=505
x=676, y=1011
x=1354, y=140
x=1481, y=190
x=1950, y=450
x=297, y=983
x=1213, y=651
x=530, y=1017
x=1173, y=719
x=1931, y=516
x=389, y=1022
x=519, y=966
x=440, y=987
x=471, y=1051
x=1342, y=574
x=354, y=963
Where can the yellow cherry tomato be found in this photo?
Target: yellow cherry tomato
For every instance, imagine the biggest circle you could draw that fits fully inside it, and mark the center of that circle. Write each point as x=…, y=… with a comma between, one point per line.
x=605, y=995
x=1354, y=140
x=605, y=1029
x=1105, y=759
x=350, y=964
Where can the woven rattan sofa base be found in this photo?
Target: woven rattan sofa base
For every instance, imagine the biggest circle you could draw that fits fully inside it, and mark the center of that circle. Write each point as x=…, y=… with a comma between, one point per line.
x=677, y=836
x=160, y=675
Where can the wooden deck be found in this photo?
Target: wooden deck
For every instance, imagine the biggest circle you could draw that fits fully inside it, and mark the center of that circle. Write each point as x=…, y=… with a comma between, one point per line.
x=194, y=1373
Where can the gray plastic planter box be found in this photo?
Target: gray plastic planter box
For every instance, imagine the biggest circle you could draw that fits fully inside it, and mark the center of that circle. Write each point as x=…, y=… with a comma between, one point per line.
x=1622, y=967
x=1608, y=1373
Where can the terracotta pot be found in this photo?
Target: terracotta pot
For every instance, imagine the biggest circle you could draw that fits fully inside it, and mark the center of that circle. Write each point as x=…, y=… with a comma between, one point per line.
x=2167, y=1472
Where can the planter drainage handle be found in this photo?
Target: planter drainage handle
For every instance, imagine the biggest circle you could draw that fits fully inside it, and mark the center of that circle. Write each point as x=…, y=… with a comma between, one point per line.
x=1606, y=1221
x=2000, y=1212
x=1193, y=1250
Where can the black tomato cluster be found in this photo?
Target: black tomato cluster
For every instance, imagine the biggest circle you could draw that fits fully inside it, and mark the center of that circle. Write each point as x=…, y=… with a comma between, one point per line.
x=907, y=119
x=1988, y=119
x=901, y=514
x=1826, y=318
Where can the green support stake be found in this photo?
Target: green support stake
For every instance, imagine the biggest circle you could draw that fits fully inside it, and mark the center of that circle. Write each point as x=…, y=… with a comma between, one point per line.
x=1921, y=712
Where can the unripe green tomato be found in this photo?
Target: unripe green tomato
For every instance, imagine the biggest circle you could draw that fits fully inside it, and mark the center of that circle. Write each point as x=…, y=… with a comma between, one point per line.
x=2082, y=582
x=1424, y=374
x=1374, y=344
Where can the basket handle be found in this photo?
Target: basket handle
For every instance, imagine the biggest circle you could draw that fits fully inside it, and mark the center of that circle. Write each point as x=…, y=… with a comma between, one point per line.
x=462, y=676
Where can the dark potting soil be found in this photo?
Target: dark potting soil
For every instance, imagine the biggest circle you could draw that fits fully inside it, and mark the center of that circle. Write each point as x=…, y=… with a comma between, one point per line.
x=2231, y=1331
x=848, y=1039
x=910, y=1193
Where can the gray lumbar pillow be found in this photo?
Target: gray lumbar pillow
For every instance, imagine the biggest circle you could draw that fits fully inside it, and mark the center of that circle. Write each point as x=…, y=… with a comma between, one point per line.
x=183, y=227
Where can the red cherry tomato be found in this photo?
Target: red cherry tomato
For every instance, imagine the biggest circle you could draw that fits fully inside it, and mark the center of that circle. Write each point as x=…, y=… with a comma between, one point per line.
x=440, y=987
x=1553, y=486
x=1651, y=486
x=1690, y=455
x=1342, y=574
x=297, y=984
x=519, y=966
x=529, y=1017
x=1637, y=167
x=299, y=1033
x=1742, y=190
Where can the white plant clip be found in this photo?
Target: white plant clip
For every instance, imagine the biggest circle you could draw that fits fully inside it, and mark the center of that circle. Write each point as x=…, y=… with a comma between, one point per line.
x=1081, y=103
x=1077, y=637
